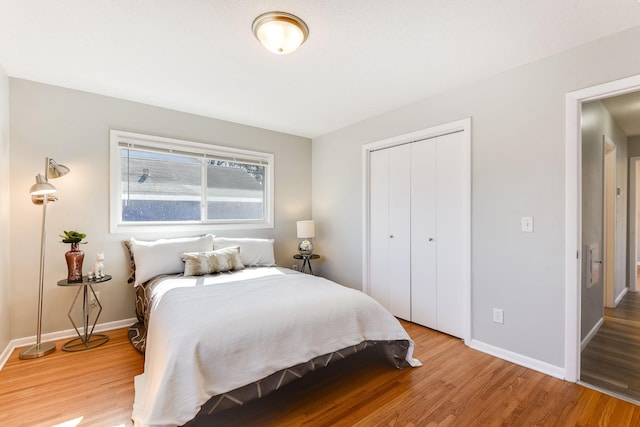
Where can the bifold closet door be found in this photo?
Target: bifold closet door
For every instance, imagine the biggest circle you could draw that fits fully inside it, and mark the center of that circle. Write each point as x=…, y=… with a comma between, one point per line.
x=424, y=279
x=438, y=192
x=390, y=229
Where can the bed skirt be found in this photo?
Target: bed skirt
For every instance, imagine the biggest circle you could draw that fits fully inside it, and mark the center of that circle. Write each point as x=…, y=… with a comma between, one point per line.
x=394, y=351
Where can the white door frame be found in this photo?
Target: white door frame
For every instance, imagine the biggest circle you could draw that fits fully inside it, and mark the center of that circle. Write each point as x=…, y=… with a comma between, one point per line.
x=633, y=223
x=463, y=125
x=573, y=209
x=609, y=214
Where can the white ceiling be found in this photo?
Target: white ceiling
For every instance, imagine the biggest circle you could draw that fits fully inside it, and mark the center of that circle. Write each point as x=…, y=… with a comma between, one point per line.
x=625, y=110
x=362, y=58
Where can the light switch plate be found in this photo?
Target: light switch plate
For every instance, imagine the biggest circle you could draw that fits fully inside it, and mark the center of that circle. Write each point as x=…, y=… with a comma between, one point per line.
x=527, y=224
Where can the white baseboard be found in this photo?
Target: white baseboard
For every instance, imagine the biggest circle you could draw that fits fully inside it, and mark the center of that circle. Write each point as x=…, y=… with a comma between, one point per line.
x=592, y=333
x=53, y=336
x=519, y=359
x=619, y=297
x=4, y=356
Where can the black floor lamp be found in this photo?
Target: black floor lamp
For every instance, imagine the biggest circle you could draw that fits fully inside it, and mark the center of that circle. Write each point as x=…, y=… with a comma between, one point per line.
x=42, y=193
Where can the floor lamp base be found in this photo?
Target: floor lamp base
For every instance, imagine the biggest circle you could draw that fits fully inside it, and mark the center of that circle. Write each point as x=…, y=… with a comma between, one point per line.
x=38, y=350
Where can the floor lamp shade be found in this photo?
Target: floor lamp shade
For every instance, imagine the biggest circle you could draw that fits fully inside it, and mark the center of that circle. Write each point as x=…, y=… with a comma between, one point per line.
x=41, y=187
x=305, y=230
x=41, y=194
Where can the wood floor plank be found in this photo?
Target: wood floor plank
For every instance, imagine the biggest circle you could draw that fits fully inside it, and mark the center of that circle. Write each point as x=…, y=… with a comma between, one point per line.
x=95, y=386
x=611, y=360
x=456, y=386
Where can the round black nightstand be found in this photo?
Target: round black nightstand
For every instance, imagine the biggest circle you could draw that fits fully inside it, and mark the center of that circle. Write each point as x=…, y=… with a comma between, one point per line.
x=306, y=261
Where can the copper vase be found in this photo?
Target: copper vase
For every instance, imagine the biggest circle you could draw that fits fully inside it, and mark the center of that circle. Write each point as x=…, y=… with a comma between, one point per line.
x=74, y=258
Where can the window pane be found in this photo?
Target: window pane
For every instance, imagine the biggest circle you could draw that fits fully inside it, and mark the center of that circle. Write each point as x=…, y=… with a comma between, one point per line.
x=160, y=183
x=235, y=191
x=160, y=187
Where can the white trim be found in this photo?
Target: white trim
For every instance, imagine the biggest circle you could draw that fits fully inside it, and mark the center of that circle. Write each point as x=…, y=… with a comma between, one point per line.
x=463, y=125
x=609, y=226
x=573, y=209
x=527, y=362
x=592, y=333
x=633, y=223
x=619, y=297
x=54, y=336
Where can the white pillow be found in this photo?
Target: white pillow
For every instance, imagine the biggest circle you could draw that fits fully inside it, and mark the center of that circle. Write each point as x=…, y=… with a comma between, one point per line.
x=253, y=252
x=200, y=263
x=164, y=256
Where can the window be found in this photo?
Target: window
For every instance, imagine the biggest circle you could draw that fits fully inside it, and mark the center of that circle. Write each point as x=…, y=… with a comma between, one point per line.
x=169, y=183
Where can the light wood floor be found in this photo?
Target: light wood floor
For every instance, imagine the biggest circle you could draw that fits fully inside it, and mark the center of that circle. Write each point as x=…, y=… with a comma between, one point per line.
x=456, y=386
x=611, y=360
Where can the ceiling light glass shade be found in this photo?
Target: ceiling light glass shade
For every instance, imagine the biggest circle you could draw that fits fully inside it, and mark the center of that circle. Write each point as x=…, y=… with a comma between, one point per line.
x=41, y=187
x=280, y=32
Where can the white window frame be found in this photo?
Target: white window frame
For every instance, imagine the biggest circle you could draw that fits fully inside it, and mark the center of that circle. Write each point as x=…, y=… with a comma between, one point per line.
x=141, y=141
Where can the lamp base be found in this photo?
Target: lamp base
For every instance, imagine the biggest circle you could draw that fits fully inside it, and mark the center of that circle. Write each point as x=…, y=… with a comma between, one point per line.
x=38, y=350
x=305, y=247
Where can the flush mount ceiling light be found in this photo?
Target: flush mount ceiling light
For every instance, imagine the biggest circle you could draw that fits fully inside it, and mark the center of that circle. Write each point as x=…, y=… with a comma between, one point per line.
x=280, y=32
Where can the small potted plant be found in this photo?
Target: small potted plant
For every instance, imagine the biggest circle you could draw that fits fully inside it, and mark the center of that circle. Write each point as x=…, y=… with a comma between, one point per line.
x=74, y=257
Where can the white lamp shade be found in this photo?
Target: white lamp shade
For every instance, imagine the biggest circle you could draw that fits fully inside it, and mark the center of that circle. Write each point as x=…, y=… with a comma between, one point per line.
x=57, y=170
x=41, y=187
x=306, y=229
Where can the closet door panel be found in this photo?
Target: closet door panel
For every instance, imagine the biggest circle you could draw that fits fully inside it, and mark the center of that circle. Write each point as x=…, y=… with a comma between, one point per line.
x=399, y=262
x=379, y=227
x=451, y=214
x=423, y=233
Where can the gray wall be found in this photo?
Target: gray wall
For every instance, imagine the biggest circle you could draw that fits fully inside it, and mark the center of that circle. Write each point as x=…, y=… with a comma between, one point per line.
x=5, y=226
x=73, y=128
x=518, y=167
x=634, y=146
x=596, y=122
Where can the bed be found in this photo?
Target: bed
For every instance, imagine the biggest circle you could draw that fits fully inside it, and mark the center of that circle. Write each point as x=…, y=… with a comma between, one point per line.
x=241, y=327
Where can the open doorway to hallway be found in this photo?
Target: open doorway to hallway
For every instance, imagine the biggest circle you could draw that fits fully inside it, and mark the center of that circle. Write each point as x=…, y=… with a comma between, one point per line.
x=610, y=307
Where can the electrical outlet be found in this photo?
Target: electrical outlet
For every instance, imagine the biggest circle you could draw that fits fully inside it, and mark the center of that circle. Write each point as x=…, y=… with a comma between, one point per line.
x=93, y=300
x=498, y=315
x=294, y=266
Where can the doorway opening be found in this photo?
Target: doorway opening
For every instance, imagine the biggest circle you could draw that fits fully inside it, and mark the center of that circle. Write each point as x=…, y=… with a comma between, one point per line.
x=618, y=263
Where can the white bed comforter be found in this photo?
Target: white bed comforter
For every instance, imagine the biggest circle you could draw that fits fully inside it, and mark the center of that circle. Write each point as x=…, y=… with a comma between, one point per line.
x=206, y=340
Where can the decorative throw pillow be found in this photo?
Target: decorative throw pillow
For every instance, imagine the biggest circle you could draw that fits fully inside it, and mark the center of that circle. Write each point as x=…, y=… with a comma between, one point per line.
x=164, y=256
x=132, y=264
x=254, y=252
x=199, y=263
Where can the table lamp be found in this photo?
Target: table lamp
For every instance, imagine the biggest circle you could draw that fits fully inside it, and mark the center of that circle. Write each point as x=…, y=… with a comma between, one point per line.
x=306, y=230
